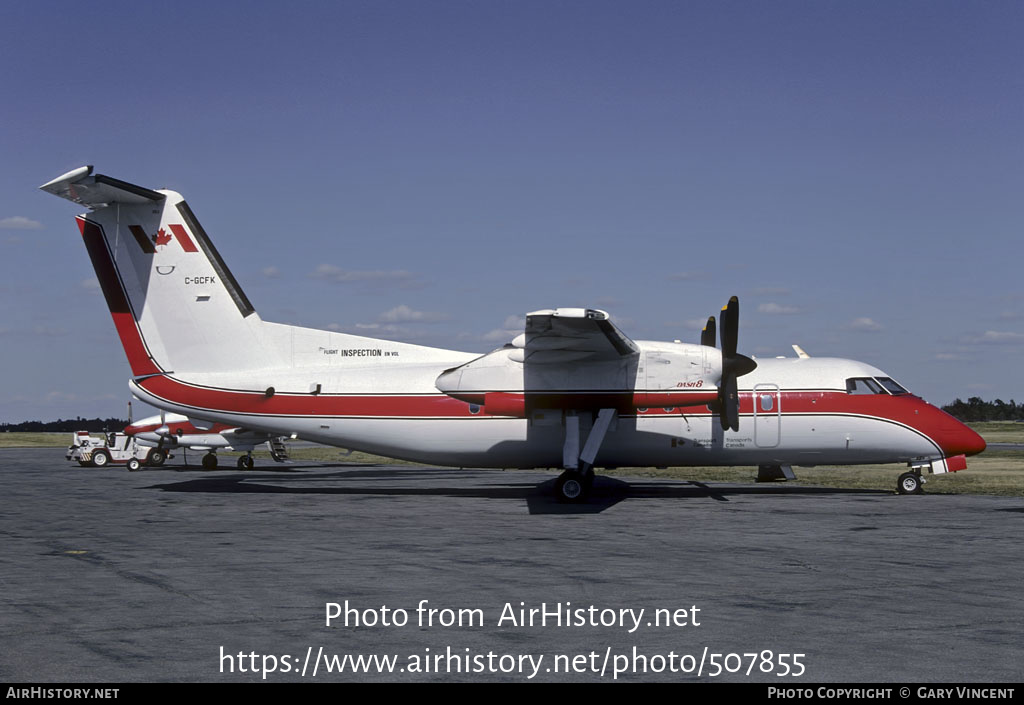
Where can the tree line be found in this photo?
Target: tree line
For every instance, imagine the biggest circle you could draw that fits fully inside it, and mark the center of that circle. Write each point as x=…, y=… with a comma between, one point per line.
x=60, y=425
x=977, y=409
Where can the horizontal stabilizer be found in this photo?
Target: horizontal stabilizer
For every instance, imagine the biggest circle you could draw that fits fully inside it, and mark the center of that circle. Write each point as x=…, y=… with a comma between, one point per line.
x=97, y=191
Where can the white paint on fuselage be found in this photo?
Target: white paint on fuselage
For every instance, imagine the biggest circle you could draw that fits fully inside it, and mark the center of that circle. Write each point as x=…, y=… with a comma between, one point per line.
x=686, y=437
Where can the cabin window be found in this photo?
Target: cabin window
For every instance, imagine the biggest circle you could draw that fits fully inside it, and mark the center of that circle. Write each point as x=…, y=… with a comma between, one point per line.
x=474, y=408
x=892, y=386
x=863, y=385
x=766, y=402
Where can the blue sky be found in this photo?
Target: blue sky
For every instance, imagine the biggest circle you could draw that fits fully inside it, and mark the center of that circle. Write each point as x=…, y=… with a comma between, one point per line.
x=430, y=171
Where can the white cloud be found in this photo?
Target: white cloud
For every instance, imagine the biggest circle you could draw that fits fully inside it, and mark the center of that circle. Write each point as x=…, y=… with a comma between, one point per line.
x=271, y=272
x=865, y=323
x=773, y=309
x=999, y=337
x=92, y=285
x=337, y=275
x=688, y=276
x=404, y=314
x=513, y=326
x=690, y=324
x=377, y=328
x=19, y=222
x=500, y=335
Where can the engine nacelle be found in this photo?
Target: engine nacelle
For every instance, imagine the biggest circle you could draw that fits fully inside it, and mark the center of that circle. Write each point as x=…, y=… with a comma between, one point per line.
x=505, y=404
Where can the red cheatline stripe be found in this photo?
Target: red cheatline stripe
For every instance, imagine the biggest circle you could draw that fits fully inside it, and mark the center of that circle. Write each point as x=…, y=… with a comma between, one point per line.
x=140, y=237
x=907, y=410
x=904, y=410
x=182, y=236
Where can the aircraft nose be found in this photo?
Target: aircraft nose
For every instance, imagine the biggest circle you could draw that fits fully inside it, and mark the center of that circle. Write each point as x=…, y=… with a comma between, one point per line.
x=956, y=438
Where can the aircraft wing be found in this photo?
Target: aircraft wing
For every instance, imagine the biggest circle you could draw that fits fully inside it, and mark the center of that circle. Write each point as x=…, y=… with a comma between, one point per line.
x=571, y=334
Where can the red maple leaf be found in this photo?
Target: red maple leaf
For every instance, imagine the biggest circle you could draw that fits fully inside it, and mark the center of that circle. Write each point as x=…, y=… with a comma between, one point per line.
x=161, y=237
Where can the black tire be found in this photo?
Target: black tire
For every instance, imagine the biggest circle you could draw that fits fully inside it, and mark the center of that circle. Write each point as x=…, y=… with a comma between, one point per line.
x=909, y=483
x=155, y=458
x=571, y=487
x=133, y=465
x=245, y=462
x=209, y=461
x=100, y=459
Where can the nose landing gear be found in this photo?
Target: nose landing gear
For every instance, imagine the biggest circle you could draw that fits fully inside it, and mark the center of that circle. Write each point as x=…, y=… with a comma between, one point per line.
x=910, y=483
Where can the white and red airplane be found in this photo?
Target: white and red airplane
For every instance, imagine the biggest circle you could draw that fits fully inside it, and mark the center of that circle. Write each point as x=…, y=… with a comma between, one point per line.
x=166, y=432
x=572, y=391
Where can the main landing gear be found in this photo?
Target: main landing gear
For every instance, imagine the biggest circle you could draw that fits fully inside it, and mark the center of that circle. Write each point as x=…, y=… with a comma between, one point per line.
x=575, y=483
x=210, y=461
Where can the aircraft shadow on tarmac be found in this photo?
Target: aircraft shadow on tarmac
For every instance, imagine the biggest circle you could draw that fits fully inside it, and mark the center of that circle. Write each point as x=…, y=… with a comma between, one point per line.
x=539, y=497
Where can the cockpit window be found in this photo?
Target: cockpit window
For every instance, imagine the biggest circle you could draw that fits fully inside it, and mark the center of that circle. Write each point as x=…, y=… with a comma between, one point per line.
x=863, y=385
x=892, y=385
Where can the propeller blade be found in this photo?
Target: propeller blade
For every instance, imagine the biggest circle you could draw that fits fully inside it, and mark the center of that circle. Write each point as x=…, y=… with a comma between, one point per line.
x=708, y=335
x=730, y=400
x=730, y=320
x=734, y=365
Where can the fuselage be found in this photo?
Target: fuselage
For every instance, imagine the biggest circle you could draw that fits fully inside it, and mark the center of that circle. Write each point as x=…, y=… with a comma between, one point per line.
x=793, y=411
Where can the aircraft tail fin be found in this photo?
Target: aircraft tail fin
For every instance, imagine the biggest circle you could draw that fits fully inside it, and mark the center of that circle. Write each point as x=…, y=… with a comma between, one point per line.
x=175, y=303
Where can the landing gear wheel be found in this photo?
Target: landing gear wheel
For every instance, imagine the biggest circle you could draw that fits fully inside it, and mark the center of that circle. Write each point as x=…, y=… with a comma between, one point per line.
x=909, y=483
x=133, y=465
x=156, y=458
x=572, y=487
x=209, y=461
x=245, y=462
x=100, y=459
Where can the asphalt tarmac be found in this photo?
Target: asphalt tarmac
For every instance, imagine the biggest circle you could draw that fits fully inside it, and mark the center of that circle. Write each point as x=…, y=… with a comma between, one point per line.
x=187, y=575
